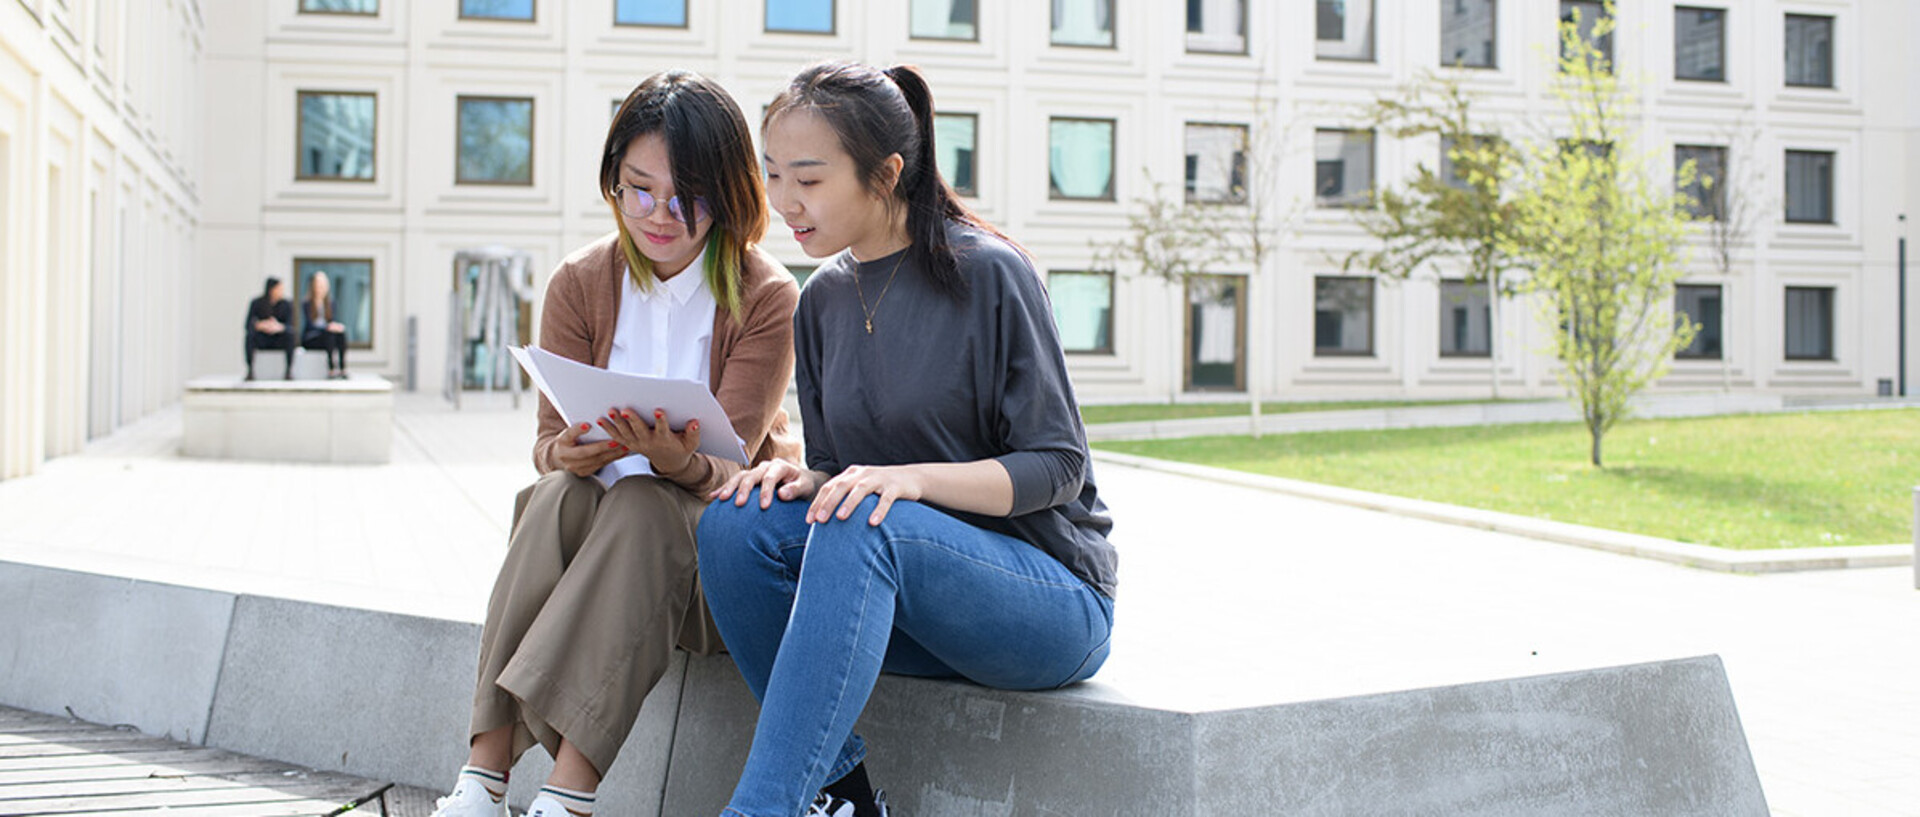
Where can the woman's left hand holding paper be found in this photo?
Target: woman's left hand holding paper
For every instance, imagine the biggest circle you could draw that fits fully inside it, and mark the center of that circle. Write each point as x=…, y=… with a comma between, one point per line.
x=668, y=450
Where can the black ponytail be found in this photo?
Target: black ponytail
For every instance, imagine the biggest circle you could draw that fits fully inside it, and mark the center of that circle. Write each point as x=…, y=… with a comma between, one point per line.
x=877, y=114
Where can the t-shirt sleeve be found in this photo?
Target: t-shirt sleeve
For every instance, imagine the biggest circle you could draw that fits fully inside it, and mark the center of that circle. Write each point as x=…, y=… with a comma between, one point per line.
x=806, y=378
x=1038, y=419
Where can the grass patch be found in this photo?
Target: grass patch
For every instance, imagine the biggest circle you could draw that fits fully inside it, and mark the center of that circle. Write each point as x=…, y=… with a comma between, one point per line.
x=1739, y=482
x=1135, y=412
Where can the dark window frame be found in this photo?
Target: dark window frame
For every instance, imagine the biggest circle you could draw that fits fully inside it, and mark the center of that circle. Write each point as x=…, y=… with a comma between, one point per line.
x=1786, y=210
x=833, y=21
x=1720, y=299
x=1373, y=169
x=686, y=16
x=1373, y=318
x=1113, y=326
x=1113, y=159
x=533, y=151
x=1826, y=354
x=373, y=305
x=1245, y=158
x=300, y=129
x=1832, y=32
x=1240, y=334
x=1493, y=52
x=973, y=39
x=301, y=8
x=1717, y=207
x=533, y=14
x=1113, y=29
x=1246, y=40
x=1721, y=30
x=1481, y=288
x=972, y=191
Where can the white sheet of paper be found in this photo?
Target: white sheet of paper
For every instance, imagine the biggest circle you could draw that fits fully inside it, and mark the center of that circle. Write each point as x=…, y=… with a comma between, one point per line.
x=585, y=393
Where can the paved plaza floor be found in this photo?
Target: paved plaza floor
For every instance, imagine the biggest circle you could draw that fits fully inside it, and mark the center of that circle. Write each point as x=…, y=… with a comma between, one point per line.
x=1230, y=596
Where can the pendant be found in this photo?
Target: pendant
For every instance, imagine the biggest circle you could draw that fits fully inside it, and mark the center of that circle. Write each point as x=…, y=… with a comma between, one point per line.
x=869, y=326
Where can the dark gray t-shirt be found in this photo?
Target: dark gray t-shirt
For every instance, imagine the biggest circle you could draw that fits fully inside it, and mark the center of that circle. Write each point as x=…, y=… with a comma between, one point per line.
x=942, y=380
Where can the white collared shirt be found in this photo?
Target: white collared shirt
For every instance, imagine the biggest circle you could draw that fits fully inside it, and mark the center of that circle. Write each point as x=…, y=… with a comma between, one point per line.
x=666, y=331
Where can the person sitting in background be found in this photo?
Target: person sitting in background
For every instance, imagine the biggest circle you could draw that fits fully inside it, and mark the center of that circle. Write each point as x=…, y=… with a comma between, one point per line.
x=320, y=331
x=269, y=321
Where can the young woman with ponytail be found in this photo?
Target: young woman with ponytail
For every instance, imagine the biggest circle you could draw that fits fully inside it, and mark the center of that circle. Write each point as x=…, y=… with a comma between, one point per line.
x=599, y=583
x=945, y=523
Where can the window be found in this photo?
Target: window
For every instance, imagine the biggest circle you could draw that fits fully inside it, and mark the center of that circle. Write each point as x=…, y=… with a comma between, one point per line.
x=1467, y=33
x=659, y=13
x=350, y=284
x=1342, y=316
x=1083, y=310
x=1083, y=23
x=1699, y=304
x=1342, y=168
x=1810, y=186
x=1216, y=333
x=1216, y=163
x=1217, y=26
x=495, y=141
x=1809, y=51
x=336, y=136
x=954, y=135
x=364, y=7
x=1809, y=321
x=1343, y=30
x=1450, y=168
x=1708, y=193
x=800, y=16
x=944, y=20
x=1700, y=44
x=518, y=10
x=1588, y=14
x=1466, y=320
x=1080, y=159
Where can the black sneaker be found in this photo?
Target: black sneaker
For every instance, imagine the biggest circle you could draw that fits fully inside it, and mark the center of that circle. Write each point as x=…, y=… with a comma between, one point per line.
x=827, y=805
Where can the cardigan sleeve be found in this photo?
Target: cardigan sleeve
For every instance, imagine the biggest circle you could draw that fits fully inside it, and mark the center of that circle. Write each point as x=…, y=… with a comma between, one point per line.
x=564, y=332
x=753, y=378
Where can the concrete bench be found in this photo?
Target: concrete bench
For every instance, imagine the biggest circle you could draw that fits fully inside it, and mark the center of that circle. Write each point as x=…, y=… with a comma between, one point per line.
x=271, y=364
x=384, y=695
x=335, y=421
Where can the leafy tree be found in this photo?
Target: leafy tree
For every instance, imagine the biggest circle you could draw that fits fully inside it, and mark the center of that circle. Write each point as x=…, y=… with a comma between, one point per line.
x=1601, y=240
x=1467, y=214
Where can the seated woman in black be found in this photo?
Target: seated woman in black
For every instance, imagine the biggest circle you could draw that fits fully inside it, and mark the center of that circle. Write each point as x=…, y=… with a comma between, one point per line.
x=270, y=324
x=320, y=331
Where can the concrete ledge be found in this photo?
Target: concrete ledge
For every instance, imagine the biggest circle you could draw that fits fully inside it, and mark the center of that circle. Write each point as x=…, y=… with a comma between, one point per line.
x=113, y=650
x=1705, y=557
x=337, y=421
x=386, y=695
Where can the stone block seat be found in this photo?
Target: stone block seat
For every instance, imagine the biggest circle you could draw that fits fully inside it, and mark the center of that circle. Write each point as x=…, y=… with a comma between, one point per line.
x=299, y=420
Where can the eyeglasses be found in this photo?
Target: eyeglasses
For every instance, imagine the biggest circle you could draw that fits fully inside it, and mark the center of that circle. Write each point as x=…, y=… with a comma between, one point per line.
x=637, y=203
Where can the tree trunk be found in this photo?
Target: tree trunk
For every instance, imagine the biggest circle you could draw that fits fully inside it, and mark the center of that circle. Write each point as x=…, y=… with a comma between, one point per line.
x=1594, y=432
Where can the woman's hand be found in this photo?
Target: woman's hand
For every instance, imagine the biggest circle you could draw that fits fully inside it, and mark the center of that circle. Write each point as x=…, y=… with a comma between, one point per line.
x=668, y=450
x=584, y=460
x=772, y=477
x=838, y=498
x=337, y=327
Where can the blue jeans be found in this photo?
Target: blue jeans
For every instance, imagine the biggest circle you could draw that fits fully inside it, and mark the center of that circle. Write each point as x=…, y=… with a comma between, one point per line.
x=813, y=613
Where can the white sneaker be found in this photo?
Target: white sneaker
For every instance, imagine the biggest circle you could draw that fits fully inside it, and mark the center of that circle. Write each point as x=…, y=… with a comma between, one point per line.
x=545, y=805
x=470, y=799
x=827, y=805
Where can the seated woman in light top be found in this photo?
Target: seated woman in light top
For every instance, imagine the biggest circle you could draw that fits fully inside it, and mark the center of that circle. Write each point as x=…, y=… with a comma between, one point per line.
x=319, y=330
x=599, y=583
x=946, y=523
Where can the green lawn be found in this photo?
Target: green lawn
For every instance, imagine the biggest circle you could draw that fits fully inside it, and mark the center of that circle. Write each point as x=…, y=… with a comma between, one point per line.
x=1133, y=412
x=1748, y=481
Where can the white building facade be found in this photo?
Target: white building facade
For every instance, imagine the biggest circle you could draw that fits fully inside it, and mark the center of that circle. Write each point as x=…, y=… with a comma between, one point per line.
x=374, y=139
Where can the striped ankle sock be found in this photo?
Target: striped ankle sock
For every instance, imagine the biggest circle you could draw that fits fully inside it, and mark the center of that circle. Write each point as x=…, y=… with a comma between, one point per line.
x=578, y=803
x=494, y=782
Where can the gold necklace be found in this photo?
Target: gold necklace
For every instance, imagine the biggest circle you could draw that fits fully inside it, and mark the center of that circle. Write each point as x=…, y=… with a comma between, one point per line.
x=869, y=313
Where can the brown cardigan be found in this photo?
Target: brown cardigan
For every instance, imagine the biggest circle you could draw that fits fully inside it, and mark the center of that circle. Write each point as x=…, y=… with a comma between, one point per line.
x=752, y=356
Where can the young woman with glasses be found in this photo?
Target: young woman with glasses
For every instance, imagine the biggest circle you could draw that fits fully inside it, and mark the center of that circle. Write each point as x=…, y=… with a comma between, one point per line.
x=599, y=584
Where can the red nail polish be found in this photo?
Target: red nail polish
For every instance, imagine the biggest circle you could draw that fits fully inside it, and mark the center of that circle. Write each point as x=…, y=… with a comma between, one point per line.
x=584, y=426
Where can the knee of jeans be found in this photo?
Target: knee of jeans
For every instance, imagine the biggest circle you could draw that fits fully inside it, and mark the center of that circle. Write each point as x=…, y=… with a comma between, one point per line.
x=725, y=531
